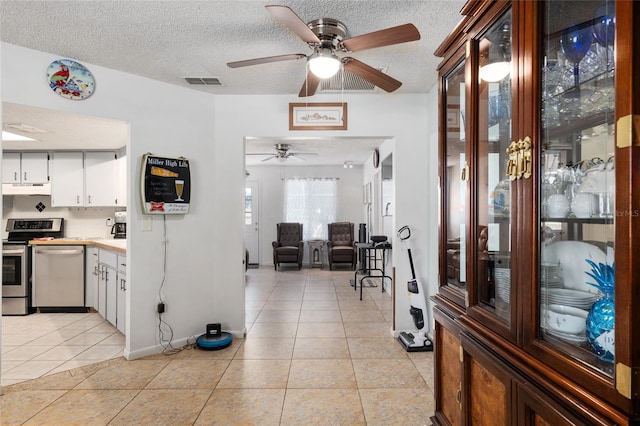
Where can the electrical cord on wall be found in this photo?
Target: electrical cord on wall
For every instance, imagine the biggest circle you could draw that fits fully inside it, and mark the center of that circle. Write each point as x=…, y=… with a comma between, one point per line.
x=163, y=327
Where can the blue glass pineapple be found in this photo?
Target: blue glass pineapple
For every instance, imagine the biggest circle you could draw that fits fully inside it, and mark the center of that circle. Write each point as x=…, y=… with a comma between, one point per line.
x=601, y=319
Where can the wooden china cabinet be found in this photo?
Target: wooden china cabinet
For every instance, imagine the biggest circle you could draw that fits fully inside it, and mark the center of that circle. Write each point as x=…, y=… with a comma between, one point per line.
x=535, y=317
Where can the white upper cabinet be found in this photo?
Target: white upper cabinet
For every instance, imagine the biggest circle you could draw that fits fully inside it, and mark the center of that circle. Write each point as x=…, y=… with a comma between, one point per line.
x=67, y=179
x=87, y=179
x=26, y=167
x=122, y=181
x=101, y=179
x=11, y=167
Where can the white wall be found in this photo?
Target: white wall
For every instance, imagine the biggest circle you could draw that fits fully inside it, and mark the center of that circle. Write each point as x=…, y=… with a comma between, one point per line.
x=205, y=274
x=168, y=120
x=433, y=215
x=402, y=118
x=272, y=196
x=415, y=175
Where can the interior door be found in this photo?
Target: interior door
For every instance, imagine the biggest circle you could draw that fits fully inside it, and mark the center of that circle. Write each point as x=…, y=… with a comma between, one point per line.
x=252, y=221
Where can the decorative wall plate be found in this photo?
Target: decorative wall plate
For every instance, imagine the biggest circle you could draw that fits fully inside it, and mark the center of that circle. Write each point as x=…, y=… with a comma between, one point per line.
x=70, y=79
x=376, y=158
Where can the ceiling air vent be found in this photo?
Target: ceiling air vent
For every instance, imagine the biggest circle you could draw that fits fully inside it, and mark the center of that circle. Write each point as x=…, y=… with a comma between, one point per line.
x=350, y=83
x=205, y=81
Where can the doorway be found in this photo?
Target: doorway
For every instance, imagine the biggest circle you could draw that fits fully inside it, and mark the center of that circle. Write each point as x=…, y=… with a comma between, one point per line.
x=64, y=340
x=252, y=222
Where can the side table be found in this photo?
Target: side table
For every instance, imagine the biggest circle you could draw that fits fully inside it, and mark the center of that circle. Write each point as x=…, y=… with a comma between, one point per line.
x=368, y=253
x=316, y=253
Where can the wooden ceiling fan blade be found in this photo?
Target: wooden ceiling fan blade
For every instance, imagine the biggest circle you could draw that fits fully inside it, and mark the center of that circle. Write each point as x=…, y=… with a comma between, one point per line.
x=372, y=75
x=289, y=18
x=387, y=37
x=310, y=85
x=266, y=60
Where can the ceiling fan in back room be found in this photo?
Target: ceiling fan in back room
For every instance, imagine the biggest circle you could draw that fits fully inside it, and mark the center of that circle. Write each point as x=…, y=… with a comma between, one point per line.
x=326, y=37
x=282, y=153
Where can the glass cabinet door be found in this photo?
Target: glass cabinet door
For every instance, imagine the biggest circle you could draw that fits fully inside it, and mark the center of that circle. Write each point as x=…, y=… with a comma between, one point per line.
x=576, y=185
x=455, y=180
x=492, y=230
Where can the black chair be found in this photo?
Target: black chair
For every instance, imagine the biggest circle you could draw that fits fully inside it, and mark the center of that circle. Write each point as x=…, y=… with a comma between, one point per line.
x=289, y=245
x=341, y=244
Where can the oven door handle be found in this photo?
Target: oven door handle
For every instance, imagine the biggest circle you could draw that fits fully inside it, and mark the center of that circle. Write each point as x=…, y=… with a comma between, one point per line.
x=11, y=252
x=58, y=252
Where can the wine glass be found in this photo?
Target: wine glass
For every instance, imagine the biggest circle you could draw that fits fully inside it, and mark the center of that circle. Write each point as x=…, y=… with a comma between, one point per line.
x=604, y=31
x=575, y=43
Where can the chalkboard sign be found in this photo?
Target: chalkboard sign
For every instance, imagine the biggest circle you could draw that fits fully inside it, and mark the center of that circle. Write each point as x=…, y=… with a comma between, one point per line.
x=165, y=185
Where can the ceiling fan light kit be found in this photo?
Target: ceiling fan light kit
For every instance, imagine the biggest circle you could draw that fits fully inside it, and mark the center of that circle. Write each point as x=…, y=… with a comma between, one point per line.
x=324, y=63
x=326, y=37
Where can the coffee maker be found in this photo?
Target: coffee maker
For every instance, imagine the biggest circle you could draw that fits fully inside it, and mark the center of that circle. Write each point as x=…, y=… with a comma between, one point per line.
x=119, y=229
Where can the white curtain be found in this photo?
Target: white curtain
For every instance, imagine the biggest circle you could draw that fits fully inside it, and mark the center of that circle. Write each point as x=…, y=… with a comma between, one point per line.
x=312, y=202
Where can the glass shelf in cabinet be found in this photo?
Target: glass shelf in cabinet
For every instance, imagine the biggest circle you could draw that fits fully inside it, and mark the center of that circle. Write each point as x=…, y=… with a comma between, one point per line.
x=555, y=128
x=577, y=220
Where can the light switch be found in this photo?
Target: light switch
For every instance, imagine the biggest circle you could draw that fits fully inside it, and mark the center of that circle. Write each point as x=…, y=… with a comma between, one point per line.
x=146, y=223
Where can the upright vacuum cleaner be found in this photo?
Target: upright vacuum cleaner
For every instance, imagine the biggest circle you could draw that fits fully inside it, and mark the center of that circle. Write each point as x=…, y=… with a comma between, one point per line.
x=414, y=342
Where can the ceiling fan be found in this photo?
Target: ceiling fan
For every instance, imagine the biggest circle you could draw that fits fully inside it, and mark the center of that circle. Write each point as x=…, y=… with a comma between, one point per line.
x=326, y=37
x=283, y=152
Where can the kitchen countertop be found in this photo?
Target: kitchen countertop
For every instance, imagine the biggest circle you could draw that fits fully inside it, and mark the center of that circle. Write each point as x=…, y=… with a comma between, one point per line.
x=109, y=244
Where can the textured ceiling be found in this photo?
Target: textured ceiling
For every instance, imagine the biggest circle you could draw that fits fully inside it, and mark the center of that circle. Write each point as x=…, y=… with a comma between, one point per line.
x=169, y=40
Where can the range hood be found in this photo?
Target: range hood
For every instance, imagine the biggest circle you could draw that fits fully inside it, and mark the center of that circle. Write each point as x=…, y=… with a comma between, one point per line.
x=26, y=189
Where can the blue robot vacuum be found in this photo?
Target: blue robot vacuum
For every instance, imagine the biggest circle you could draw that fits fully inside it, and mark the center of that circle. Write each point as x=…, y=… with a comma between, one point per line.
x=214, y=339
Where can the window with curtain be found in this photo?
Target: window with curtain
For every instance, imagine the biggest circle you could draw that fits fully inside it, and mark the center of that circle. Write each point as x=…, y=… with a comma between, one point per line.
x=312, y=202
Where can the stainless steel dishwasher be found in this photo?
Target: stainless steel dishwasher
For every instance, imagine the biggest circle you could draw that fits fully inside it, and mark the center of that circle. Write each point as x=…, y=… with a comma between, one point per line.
x=58, y=278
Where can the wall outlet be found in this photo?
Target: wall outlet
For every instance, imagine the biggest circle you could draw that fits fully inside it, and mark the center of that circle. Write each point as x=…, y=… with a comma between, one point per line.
x=147, y=223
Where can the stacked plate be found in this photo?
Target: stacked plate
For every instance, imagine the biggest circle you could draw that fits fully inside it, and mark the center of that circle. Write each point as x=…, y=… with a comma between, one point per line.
x=550, y=275
x=503, y=283
x=568, y=297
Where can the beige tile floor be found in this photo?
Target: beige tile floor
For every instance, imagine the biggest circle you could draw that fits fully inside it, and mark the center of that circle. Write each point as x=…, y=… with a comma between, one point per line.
x=41, y=344
x=314, y=355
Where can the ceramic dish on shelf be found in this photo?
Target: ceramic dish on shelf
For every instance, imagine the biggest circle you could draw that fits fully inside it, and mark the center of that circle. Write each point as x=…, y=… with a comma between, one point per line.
x=565, y=319
x=553, y=282
x=573, y=268
x=568, y=297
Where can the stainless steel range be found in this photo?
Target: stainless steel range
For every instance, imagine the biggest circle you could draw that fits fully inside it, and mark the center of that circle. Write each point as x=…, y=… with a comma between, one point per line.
x=16, y=261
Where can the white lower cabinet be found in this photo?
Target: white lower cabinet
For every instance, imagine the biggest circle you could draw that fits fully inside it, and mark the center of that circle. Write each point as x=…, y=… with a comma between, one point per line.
x=112, y=287
x=122, y=293
x=91, y=278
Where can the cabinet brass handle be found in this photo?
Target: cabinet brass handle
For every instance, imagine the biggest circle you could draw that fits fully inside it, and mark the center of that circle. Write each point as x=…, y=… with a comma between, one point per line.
x=527, y=146
x=512, y=165
x=459, y=396
x=520, y=159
